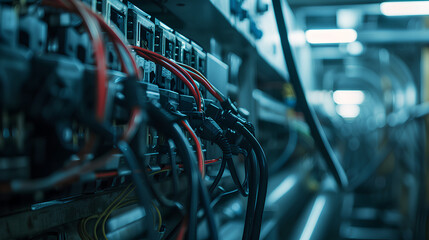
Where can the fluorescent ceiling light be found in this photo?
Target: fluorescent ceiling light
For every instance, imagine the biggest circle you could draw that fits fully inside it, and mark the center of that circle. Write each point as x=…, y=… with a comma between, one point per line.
x=348, y=111
x=323, y=36
x=405, y=8
x=355, y=48
x=281, y=189
x=315, y=213
x=348, y=97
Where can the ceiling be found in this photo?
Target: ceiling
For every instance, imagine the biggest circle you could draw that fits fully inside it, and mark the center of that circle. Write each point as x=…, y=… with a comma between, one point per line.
x=305, y=3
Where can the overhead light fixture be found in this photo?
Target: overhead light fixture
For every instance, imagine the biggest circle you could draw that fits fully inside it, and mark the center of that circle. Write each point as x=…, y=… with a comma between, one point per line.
x=348, y=97
x=348, y=111
x=326, y=36
x=281, y=189
x=355, y=48
x=410, y=8
x=315, y=213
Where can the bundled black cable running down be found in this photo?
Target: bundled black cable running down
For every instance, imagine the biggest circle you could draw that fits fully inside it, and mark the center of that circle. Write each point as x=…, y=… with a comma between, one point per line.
x=218, y=176
x=165, y=123
x=205, y=198
x=263, y=178
x=141, y=184
x=251, y=200
x=229, y=120
x=174, y=168
x=319, y=137
x=224, y=145
x=159, y=196
x=211, y=131
x=132, y=92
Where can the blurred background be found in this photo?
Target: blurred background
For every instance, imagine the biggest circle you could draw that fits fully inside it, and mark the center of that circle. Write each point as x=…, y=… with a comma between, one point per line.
x=364, y=66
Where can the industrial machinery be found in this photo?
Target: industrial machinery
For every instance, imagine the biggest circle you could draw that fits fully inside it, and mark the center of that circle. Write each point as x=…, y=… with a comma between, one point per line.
x=108, y=131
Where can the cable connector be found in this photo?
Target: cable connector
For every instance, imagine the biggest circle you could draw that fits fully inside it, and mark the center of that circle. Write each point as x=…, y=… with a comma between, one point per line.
x=210, y=130
x=228, y=105
x=132, y=92
x=195, y=119
x=156, y=111
x=228, y=118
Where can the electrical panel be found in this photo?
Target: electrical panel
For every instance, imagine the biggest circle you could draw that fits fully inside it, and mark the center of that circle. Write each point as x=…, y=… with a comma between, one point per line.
x=98, y=98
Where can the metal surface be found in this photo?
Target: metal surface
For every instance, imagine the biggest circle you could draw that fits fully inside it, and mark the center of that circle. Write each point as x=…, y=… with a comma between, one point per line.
x=28, y=223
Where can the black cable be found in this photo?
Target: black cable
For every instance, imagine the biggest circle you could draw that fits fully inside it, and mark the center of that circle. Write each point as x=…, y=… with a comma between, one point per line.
x=174, y=168
x=421, y=209
x=163, y=200
x=224, y=145
x=319, y=137
x=251, y=200
x=164, y=122
x=218, y=176
x=204, y=196
x=210, y=130
x=263, y=179
x=141, y=184
x=220, y=196
x=205, y=199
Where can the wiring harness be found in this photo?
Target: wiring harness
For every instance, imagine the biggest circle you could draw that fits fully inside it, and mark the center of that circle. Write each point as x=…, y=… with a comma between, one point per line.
x=108, y=125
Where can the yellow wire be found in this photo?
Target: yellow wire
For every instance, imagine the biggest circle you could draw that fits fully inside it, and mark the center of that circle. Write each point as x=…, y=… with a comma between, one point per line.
x=117, y=203
x=125, y=204
x=121, y=205
x=120, y=196
x=113, y=208
x=159, y=217
x=160, y=171
x=194, y=70
x=80, y=230
x=85, y=221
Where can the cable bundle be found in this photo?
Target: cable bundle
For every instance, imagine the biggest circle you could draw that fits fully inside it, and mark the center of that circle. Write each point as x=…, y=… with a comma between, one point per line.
x=173, y=125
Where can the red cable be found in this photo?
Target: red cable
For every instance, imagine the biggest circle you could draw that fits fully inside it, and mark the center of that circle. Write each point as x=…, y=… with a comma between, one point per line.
x=106, y=174
x=177, y=73
x=183, y=71
x=82, y=10
x=116, y=39
x=200, y=156
x=183, y=228
x=211, y=161
x=205, y=163
x=202, y=79
x=208, y=86
x=132, y=124
x=100, y=61
x=115, y=173
x=93, y=30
